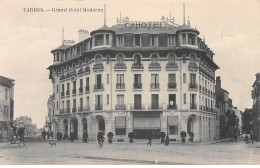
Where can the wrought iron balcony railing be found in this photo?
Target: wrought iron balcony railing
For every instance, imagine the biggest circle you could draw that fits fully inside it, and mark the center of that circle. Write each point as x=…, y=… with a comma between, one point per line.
x=193, y=86
x=74, y=109
x=74, y=91
x=155, y=86
x=120, y=106
x=171, y=66
x=87, y=89
x=98, y=67
x=67, y=93
x=120, y=86
x=174, y=106
x=62, y=94
x=193, y=106
x=193, y=66
x=81, y=90
x=98, y=107
x=172, y=85
x=137, y=106
x=137, y=85
x=120, y=66
x=154, y=66
x=98, y=86
x=137, y=66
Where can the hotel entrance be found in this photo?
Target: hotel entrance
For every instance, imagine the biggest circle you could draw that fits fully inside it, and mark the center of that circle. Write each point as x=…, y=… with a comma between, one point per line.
x=146, y=122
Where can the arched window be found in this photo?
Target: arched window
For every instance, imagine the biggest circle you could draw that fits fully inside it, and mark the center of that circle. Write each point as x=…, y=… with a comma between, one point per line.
x=171, y=58
x=137, y=59
x=154, y=59
x=192, y=59
x=120, y=59
x=98, y=59
x=87, y=62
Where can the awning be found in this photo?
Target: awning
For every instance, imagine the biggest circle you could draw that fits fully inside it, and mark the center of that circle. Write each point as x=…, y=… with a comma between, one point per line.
x=147, y=123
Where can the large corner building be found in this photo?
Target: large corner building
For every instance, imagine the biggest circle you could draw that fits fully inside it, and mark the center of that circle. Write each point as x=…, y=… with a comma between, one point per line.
x=135, y=77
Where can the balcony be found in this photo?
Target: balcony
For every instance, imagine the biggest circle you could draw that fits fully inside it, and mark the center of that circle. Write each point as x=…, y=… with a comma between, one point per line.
x=155, y=107
x=98, y=107
x=155, y=86
x=81, y=90
x=137, y=85
x=98, y=87
x=193, y=106
x=98, y=67
x=74, y=91
x=66, y=110
x=154, y=66
x=74, y=109
x=62, y=94
x=120, y=86
x=120, y=67
x=174, y=107
x=193, y=86
x=137, y=67
x=80, y=71
x=193, y=66
x=62, y=77
x=67, y=93
x=86, y=70
x=171, y=67
x=137, y=106
x=87, y=89
x=83, y=108
x=120, y=107
x=172, y=85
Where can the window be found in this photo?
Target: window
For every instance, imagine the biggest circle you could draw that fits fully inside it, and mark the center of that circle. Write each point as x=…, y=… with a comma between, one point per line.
x=81, y=103
x=107, y=99
x=98, y=82
x=120, y=59
x=193, y=101
x=62, y=105
x=183, y=38
x=137, y=40
x=57, y=88
x=57, y=105
x=81, y=83
x=87, y=101
x=137, y=81
x=120, y=99
x=98, y=102
x=172, y=101
x=107, y=78
x=173, y=124
x=184, y=77
x=171, y=78
x=154, y=40
x=155, y=101
x=6, y=94
x=68, y=104
x=137, y=59
x=74, y=87
x=137, y=101
x=62, y=88
x=87, y=84
x=120, y=40
x=99, y=40
x=171, y=58
x=171, y=40
x=154, y=59
x=120, y=125
x=191, y=39
x=74, y=103
x=184, y=98
x=193, y=78
x=145, y=39
x=98, y=59
x=107, y=39
x=154, y=81
x=120, y=81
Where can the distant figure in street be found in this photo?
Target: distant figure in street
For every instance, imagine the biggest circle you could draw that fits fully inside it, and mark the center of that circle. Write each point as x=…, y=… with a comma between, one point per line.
x=235, y=137
x=71, y=136
x=51, y=134
x=43, y=135
x=85, y=136
x=246, y=138
x=150, y=137
x=252, y=138
x=100, y=138
x=167, y=140
x=21, y=135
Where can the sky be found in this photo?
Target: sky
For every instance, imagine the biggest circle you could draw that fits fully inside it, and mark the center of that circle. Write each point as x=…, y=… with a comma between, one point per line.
x=230, y=27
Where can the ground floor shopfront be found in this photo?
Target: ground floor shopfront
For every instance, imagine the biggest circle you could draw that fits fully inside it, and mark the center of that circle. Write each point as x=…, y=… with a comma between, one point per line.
x=3, y=129
x=202, y=124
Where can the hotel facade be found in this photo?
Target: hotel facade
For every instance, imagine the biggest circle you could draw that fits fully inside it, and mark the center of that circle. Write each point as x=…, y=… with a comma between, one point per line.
x=135, y=77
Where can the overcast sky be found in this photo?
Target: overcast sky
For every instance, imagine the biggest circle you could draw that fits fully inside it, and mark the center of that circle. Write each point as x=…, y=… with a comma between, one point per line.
x=231, y=29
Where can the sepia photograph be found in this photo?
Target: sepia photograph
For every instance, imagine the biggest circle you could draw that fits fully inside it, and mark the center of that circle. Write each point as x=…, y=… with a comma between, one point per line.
x=121, y=82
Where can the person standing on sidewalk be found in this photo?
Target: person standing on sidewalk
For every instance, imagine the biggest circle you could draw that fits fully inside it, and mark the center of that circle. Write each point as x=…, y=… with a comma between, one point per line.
x=85, y=136
x=246, y=138
x=167, y=140
x=150, y=137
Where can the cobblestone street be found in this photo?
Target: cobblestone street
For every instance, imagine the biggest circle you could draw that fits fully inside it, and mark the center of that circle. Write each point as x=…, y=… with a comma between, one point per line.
x=125, y=153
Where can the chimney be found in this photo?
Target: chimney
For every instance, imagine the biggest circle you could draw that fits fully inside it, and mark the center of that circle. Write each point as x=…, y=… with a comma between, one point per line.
x=218, y=82
x=83, y=35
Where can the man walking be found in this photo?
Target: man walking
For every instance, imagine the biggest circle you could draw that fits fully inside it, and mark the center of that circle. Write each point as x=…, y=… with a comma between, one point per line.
x=85, y=136
x=150, y=137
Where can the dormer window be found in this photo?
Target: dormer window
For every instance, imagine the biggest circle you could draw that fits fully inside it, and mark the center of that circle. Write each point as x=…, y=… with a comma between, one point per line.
x=99, y=40
x=137, y=40
x=120, y=40
x=154, y=40
x=171, y=40
x=107, y=39
x=183, y=38
x=58, y=57
x=191, y=39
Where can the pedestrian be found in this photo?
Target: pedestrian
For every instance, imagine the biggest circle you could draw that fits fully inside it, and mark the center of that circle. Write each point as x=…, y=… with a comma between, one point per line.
x=235, y=137
x=71, y=136
x=85, y=136
x=100, y=138
x=167, y=140
x=246, y=138
x=252, y=138
x=43, y=134
x=21, y=135
x=51, y=134
x=150, y=137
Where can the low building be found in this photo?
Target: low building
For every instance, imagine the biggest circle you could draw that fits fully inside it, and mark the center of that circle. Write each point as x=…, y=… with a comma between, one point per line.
x=239, y=124
x=24, y=121
x=6, y=106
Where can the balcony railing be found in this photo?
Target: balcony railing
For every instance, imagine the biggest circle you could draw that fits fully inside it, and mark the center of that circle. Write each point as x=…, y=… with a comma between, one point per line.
x=174, y=106
x=62, y=94
x=193, y=86
x=137, y=85
x=62, y=77
x=98, y=107
x=87, y=88
x=80, y=71
x=171, y=66
x=193, y=106
x=155, y=86
x=66, y=110
x=154, y=66
x=137, y=66
x=87, y=70
x=193, y=66
x=120, y=66
x=98, y=67
x=120, y=86
x=74, y=109
x=137, y=106
x=74, y=91
x=83, y=108
x=120, y=106
x=200, y=87
x=81, y=90
x=98, y=87
x=172, y=85
x=67, y=93
x=155, y=107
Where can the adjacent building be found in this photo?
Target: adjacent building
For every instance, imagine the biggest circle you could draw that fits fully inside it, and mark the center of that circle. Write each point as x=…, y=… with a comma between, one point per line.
x=239, y=124
x=6, y=106
x=26, y=122
x=135, y=77
x=256, y=106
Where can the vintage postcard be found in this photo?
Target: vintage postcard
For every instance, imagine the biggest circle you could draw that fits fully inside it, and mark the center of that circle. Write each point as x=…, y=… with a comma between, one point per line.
x=112, y=82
